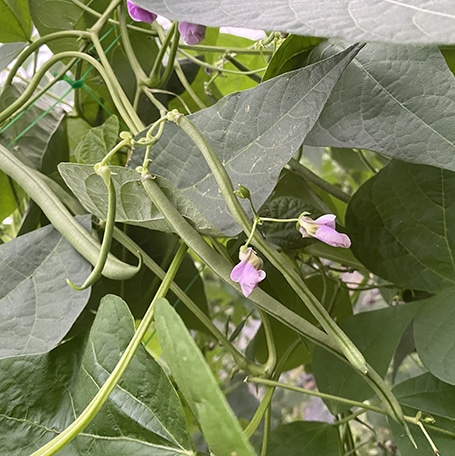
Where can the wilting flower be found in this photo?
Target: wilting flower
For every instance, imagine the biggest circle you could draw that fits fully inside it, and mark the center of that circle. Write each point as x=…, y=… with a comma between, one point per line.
x=248, y=272
x=191, y=33
x=139, y=14
x=323, y=228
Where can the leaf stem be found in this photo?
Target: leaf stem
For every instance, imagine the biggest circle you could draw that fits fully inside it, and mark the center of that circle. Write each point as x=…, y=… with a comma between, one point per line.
x=101, y=397
x=304, y=172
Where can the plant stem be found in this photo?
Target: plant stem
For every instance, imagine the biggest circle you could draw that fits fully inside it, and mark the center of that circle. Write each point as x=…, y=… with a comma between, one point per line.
x=345, y=345
x=351, y=352
x=304, y=172
x=241, y=361
x=341, y=400
x=101, y=397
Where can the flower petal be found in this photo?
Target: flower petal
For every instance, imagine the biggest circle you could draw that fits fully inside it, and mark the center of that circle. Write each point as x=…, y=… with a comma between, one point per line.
x=191, y=33
x=238, y=271
x=139, y=14
x=330, y=236
x=327, y=220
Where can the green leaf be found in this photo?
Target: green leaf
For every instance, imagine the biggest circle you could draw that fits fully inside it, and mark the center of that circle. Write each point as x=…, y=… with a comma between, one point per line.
x=40, y=395
x=133, y=204
x=8, y=52
x=399, y=222
x=15, y=23
x=433, y=335
x=367, y=20
x=195, y=380
x=28, y=137
x=10, y=196
x=395, y=100
x=37, y=307
x=246, y=130
x=97, y=142
x=309, y=438
x=377, y=334
x=434, y=398
x=292, y=54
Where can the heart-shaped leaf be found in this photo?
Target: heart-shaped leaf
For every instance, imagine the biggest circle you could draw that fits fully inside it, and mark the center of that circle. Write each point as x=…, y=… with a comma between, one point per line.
x=395, y=100
x=37, y=307
x=399, y=222
x=433, y=335
x=40, y=395
x=254, y=134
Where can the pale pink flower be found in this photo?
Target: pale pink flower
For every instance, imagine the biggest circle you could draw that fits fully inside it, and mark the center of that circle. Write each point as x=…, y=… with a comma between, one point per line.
x=249, y=271
x=323, y=228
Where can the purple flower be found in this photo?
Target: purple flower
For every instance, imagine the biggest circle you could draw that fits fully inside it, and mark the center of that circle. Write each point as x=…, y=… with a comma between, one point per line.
x=248, y=272
x=323, y=229
x=191, y=33
x=139, y=14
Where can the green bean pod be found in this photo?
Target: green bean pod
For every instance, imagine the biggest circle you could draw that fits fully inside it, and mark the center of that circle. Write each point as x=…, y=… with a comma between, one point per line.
x=61, y=218
x=96, y=273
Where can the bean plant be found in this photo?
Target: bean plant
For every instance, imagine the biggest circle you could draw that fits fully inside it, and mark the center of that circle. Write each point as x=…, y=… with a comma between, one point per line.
x=227, y=228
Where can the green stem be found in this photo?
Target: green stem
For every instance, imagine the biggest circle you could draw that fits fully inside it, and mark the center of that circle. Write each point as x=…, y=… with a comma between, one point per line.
x=304, y=172
x=241, y=361
x=119, y=97
x=351, y=352
x=271, y=348
x=101, y=22
x=346, y=346
x=96, y=14
x=266, y=432
x=341, y=400
x=187, y=86
x=24, y=55
x=138, y=71
x=155, y=74
x=110, y=81
x=245, y=72
x=270, y=389
x=171, y=58
x=223, y=50
x=103, y=394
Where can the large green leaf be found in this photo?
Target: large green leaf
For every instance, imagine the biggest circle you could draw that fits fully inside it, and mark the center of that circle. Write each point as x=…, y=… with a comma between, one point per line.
x=400, y=225
x=377, y=334
x=309, y=438
x=133, y=204
x=195, y=380
x=254, y=133
x=41, y=395
x=15, y=23
x=396, y=100
x=433, y=398
x=37, y=307
x=420, y=21
x=433, y=334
